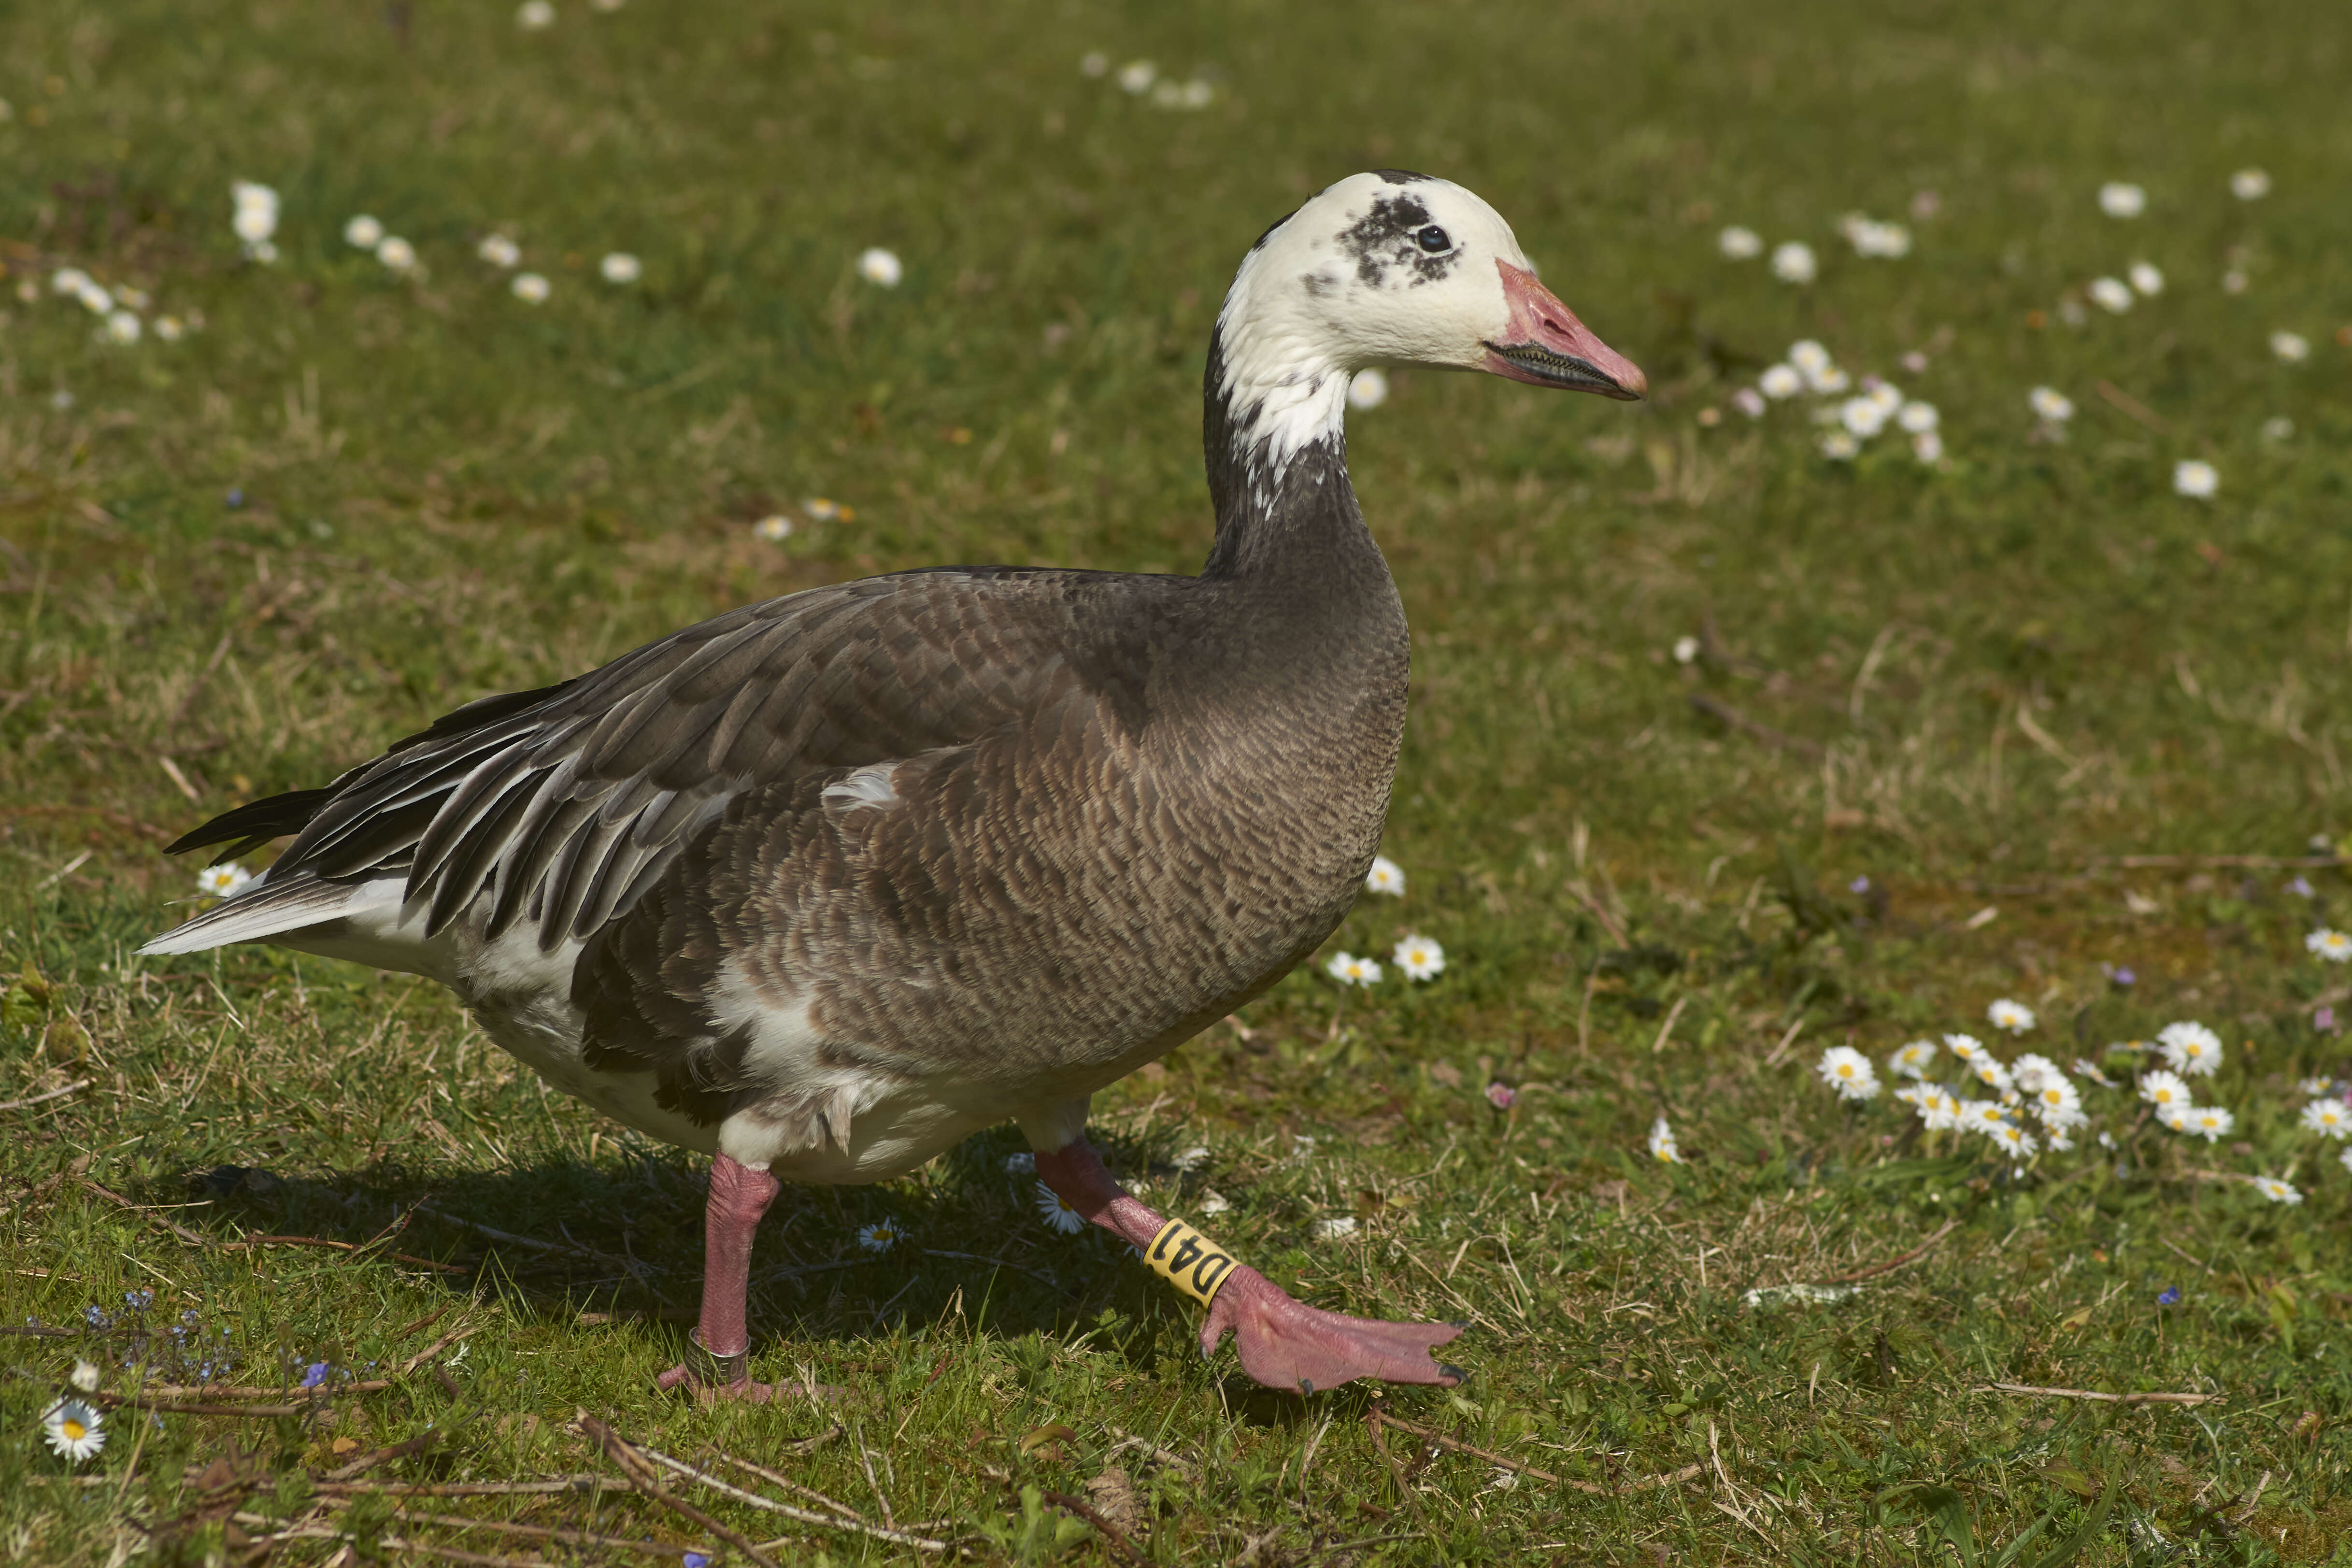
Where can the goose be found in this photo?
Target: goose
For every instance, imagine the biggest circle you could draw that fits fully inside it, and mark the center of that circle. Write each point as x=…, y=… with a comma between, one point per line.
x=824, y=884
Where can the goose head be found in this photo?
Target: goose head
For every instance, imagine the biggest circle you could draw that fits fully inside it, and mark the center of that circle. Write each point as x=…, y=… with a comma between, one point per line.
x=1384, y=269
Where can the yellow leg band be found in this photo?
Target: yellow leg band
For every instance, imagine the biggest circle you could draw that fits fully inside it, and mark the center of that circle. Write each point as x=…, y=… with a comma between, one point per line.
x=1189, y=1260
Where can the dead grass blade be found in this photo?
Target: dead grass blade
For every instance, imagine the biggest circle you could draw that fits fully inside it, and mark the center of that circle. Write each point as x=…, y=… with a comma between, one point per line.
x=2092, y=1393
x=1113, y=1537
x=1378, y=1418
x=1891, y=1264
x=638, y=1469
x=843, y=1520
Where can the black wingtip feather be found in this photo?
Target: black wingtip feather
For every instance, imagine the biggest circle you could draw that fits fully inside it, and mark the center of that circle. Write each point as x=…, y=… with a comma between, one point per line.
x=255, y=823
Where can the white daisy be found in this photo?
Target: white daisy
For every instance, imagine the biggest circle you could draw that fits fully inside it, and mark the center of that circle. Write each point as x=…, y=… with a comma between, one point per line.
x=2012, y=1140
x=2328, y=1118
x=2118, y=199
x=1214, y=1203
x=68, y=280
x=2332, y=945
x=775, y=529
x=2059, y=1104
x=879, y=1236
x=1368, y=389
x=1337, y=1229
x=1749, y=401
x=1849, y=1072
x=2085, y=1068
x=123, y=327
x=2345, y=1159
x=1808, y=358
x=499, y=250
x=1989, y=1072
x=530, y=288
x=94, y=298
x=2316, y=1085
x=534, y=16
x=2176, y=1116
x=1686, y=649
x=1419, y=958
x=1057, y=1212
x=822, y=507
x=1662, y=1143
x=2196, y=478
x=2291, y=347
x=75, y=1431
x=1024, y=1163
x=1780, y=381
x=1385, y=876
x=1928, y=445
x=2211, y=1123
x=2278, y=1192
x=2049, y=403
x=1136, y=76
x=1348, y=969
x=1192, y=1159
x=2111, y=294
x=2164, y=1090
x=1840, y=447
x=2014, y=1017
x=1794, y=262
x=257, y=211
x=2190, y=1048
x=1983, y=1115
x=395, y=253
x=1940, y=1108
x=1918, y=417
x=85, y=1377
x=363, y=232
x=2250, y=184
x=1911, y=1060
x=878, y=266
x=220, y=881
x=2146, y=279
x=1864, y=416
x=2032, y=1071
x=1739, y=244
x=1968, y=1047
x=620, y=266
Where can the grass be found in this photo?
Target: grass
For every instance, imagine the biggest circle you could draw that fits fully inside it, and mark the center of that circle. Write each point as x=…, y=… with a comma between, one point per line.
x=1982, y=688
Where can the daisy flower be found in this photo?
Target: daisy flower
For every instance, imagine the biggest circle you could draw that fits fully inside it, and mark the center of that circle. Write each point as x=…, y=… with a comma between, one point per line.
x=2291, y=347
x=222, y=880
x=364, y=233
x=499, y=250
x=2085, y=1068
x=1911, y=1060
x=2328, y=1118
x=2059, y=1104
x=94, y=298
x=1809, y=357
x=2120, y=199
x=1739, y=244
x=1780, y=381
x=1663, y=1147
x=1136, y=76
x=1214, y=1203
x=1348, y=969
x=826, y=510
x=535, y=15
x=1840, y=447
x=1192, y=1159
x=2250, y=184
x=2331, y=945
x=620, y=266
x=1686, y=649
x=1056, y=1212
x=256, y=212
x=2032, y=1071
x=1794, y=262
x=2014, y=1017
x=1385, y=876
x=2176, y=1116
x=1982, y=1115
x=1918, y=417
x=1368, y=389
x=2111, y=294
x=2195, y=478
x=395, y=253
x=85, y=1377
x=1864, y=416
x=68, y=280
x=1749, y=401
x=530, y=288
x=2278, y=1192
x=879, y=265
x=2014, y=1139
x=2190, y=1048
x=1992, y=1075
x=75, y=1431
x=1968, y=1047
x=2316, y=1085
x=1849, y=1072
x=774, y=529
x=1336, y=1229
x=2164, y=1090
x=879, y=1236
x=2146, y=278
x=121, y=327
x=2209, y=1122
x=2049, y=403
x=1940, y=1108
x=1419, y=958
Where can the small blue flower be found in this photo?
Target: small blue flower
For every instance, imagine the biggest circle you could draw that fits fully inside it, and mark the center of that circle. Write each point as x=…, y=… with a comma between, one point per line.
x=96, y=1318
x=2171, y=1297
x=2301, y=888
x=234, y=497
x=1859, y=885
x=316, y=1375
x=697, y=1559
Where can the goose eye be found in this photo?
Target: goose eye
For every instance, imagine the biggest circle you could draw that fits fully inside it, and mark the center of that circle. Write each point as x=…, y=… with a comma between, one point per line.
x=1432, y=239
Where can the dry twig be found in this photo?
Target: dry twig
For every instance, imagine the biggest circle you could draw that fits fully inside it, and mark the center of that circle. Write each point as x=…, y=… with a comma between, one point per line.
x=637, y=1467
x=2027, y=1388
x=855, y=1525
x=1891, y=1264
x=53, y=1094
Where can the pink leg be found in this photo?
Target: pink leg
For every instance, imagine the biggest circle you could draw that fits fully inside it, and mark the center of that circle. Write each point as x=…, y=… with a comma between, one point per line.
x=739, y=1196
x=1283, y=1343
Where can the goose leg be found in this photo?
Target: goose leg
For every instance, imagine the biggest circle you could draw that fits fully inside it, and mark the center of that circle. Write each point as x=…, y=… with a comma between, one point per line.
x=719, y=1360
x=1284, y=1343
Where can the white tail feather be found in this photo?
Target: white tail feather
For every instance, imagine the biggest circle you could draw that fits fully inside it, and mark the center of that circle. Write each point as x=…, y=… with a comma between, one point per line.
x=273, y=909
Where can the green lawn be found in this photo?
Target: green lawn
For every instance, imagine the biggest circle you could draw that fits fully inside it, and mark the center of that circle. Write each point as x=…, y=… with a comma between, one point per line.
x=1930, y=715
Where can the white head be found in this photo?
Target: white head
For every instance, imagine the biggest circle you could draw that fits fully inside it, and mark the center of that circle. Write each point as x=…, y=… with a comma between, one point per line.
x=1392, y=269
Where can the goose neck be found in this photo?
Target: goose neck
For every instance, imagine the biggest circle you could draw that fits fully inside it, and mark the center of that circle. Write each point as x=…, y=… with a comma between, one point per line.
x=1275, y=437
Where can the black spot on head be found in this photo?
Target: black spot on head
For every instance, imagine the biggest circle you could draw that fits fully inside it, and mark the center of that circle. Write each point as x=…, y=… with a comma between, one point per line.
x=1385, y=238
x=1400, y=176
